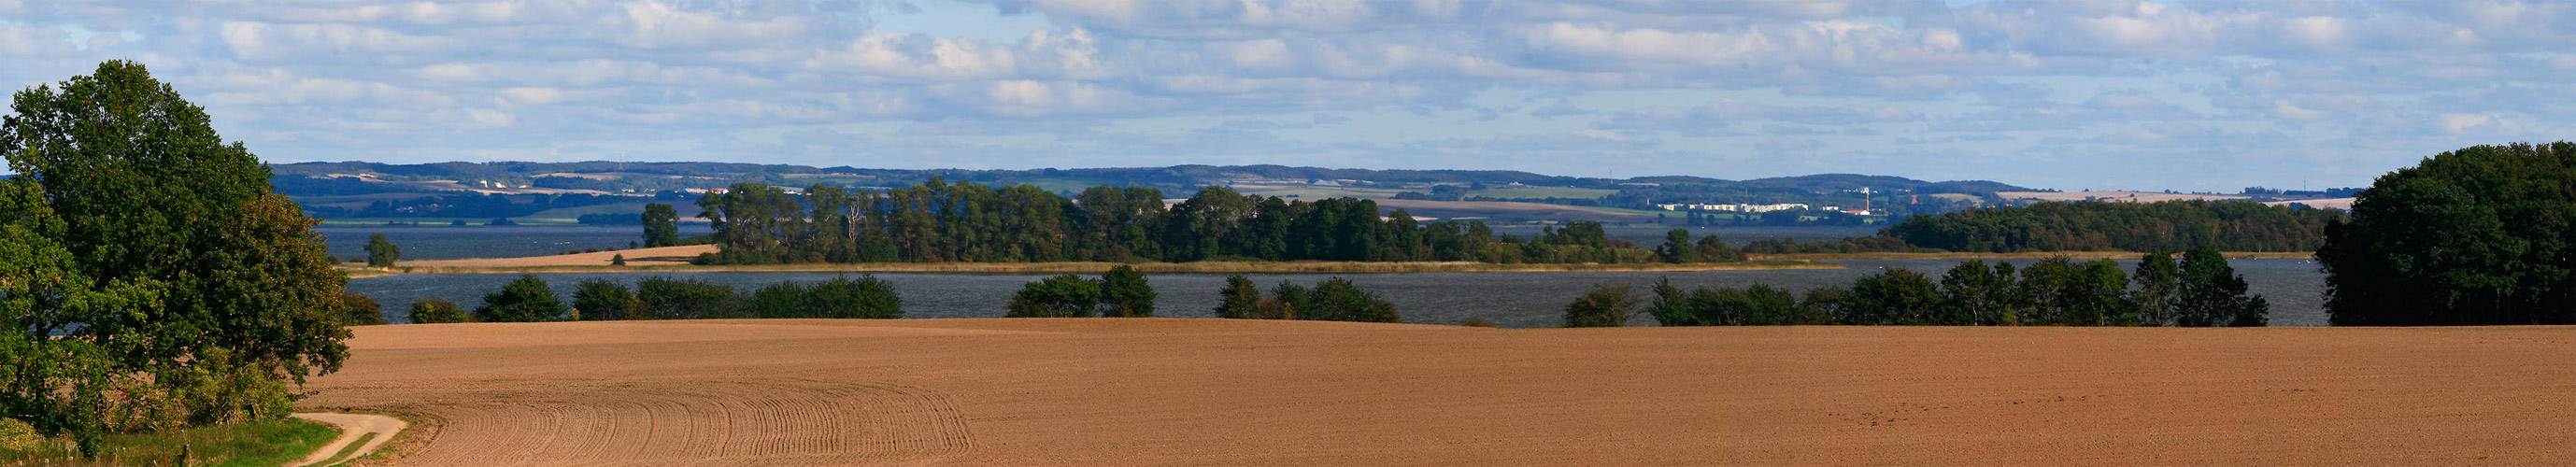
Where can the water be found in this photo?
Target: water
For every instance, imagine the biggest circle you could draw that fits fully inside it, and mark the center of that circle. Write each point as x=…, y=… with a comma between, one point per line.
x=1510, y=299
x=443, y=242
x=1648, y=237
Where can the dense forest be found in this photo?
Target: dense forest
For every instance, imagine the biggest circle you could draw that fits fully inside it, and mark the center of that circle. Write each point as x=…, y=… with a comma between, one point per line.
x=2112, y=226
x=939, y=221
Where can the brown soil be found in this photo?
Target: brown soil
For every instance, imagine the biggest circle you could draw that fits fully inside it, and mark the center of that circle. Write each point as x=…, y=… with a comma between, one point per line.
x=1199, y=391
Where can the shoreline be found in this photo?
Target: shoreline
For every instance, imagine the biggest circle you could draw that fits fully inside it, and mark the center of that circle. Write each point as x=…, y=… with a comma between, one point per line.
x=2076, y=255
x=1205, y=267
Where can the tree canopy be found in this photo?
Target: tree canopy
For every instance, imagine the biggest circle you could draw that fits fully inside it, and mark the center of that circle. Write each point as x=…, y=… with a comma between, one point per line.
x=2481, y=235
x=138, y=242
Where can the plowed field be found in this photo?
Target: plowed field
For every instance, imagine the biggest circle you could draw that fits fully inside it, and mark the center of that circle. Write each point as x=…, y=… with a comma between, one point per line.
x=1180, y=391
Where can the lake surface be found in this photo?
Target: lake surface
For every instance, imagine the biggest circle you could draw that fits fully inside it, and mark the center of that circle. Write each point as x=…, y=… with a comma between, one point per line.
x=444, y=242
x=1511, y=299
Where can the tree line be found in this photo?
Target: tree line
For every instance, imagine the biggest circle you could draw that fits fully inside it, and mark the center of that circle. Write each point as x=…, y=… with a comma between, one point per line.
x=2118, y=226
x=966, y=222
x=2199, y=290
x=530, y=299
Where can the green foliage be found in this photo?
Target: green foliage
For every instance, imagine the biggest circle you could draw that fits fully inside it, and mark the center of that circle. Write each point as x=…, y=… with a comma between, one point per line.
x=780, y=300
x=1065, y=296
x=2059, y=292
x=360, y=310
x=1978, y=294
x=257, y=443
x=604, y=300
x=2212, y=294
x=937, y=221
x=382, y=253
x=146, y=266
x=866, y=297
x=1605, y=306
x=429, y=311
x=1893, y=296
x=661, y=225
x=1758, y=305
x=1124, y=294
x=527, y=299
x=2105, y=226
x=18, y=436
x=2157, y=285
x=1241, y=299
x=617, y=260
x=1337, y=299
x=672, y=298
x=2477, y=236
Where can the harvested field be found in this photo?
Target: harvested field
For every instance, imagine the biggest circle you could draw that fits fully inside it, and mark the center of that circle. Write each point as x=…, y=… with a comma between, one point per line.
x=1189, y=391
x=664, y=256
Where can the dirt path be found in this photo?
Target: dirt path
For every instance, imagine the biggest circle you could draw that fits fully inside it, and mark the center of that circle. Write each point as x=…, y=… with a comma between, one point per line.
x=1203, y=391
x=353, y=428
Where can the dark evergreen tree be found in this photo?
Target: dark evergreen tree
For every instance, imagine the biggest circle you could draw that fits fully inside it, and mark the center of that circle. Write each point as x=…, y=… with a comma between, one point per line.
x=1125, y=294
x=1241, y=299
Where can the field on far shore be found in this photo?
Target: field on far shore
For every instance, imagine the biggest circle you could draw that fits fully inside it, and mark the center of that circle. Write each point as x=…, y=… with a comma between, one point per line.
x=1234, y=392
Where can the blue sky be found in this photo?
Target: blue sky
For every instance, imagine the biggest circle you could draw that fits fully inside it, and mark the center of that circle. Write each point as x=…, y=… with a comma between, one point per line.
x=2082, y=94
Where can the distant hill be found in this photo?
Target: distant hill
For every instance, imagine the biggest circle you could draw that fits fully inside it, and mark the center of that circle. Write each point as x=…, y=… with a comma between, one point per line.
x=367, y=190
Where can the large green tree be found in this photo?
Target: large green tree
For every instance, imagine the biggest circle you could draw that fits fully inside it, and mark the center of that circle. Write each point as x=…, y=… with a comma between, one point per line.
x=1240, y=299
x=163, y=251
x=382, y=253
x=661, y=225
x=2482, y=235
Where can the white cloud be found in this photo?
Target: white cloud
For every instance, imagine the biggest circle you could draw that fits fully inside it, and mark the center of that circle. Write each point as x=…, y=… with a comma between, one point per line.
x=1520, y=84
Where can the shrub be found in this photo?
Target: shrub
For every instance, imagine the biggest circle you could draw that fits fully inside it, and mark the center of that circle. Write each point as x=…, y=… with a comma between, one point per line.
x=600, y=299
x=619, y=260
x=670, y=298
x=866, y=297
x=1606, y=305
x=428, y=311
x=780, y=300
x=360, y=310
x=527, y=299
x=1337, y=299
x=1065, y=296
x=1125, y=294
x=1476, y=322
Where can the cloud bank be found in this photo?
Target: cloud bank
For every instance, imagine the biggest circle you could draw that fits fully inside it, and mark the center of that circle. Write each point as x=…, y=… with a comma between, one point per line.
x=2067, y=94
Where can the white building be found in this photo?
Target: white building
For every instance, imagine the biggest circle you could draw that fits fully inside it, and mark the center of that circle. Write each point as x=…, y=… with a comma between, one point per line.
x=1744, y=208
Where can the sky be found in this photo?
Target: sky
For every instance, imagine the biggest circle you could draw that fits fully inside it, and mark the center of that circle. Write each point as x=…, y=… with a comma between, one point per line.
x=2084, y=94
